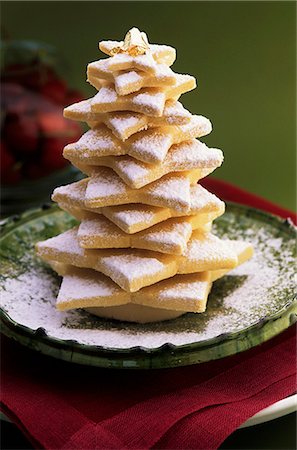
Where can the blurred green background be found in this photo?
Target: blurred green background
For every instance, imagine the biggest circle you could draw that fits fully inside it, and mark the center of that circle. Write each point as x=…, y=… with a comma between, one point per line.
x=242, y=54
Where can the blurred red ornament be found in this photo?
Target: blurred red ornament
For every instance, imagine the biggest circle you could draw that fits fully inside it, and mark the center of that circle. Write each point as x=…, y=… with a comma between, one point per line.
x=73, y=96
x=29, y=77
x=54, y=125
x=21, y=134
x=10, y=172
x=55, y=90
x=33, y=129
x=52, y=158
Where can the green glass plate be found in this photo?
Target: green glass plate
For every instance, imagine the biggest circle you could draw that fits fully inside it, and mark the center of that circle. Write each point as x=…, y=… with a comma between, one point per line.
x=245, y=308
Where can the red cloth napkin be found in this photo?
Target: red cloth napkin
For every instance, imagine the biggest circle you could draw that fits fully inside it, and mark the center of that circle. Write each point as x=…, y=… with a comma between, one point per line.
x=227, y=191
x=59, y=405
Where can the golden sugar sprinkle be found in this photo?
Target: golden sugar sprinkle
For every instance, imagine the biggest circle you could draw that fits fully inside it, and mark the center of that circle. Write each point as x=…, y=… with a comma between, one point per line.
x=135, y=43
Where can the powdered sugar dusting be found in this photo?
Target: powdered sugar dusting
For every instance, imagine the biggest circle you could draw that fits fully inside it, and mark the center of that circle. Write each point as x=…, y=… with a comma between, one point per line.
x=192, y=290
x=73, y=192
x=161, y=53
x=131, y=81
x=98, y=226
x=174, y=108
x=151, y=145
x=124, y=121
x=124, y=124
x=134, y=214
x=206, y=246
x=181, y=157
x=99, y=139
x=127, y=78
x=132, y=169
x=103, y=184
x=152, y=102
x=124, y=61
x=194, y=154
x=132, y=266
x=172, y=233
x=101, y=66
x=170, y=191
x=85, y=285
x=82, y=107
x=202, y=199
x=199, y=125
x=175, y=190
x=67, y=242
x=106, y=94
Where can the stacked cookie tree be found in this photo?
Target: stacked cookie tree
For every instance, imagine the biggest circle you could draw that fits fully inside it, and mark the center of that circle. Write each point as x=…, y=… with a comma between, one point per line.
x=144, y=249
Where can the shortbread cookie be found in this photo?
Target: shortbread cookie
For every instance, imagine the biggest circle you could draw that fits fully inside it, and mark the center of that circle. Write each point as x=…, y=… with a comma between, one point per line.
x=189, y=155
x=133, y=269
x=137, y=217
x=83, y=288
x=149, y=101
x=244, y=251
x=174, y=294
x=119, y=265
x=150, y=146
x=125, y=123
x=106, y=188
x=134, y=313
x=170, y=236
x=71, y=198
x=179, y=84
x=162, y=54
x=144, y=63
x=126, y=82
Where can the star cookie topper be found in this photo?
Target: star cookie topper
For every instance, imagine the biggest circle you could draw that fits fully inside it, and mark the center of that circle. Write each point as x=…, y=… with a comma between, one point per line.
x=134, y=44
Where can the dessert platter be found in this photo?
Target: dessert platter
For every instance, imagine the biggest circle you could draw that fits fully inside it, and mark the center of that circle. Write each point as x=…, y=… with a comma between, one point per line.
x=148, y=278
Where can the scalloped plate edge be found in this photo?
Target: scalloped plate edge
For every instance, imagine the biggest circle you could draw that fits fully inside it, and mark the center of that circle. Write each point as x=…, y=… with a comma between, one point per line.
x=147, y=358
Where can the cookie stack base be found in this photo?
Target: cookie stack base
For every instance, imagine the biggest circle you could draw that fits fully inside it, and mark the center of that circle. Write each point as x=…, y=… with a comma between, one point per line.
x=135, y=313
